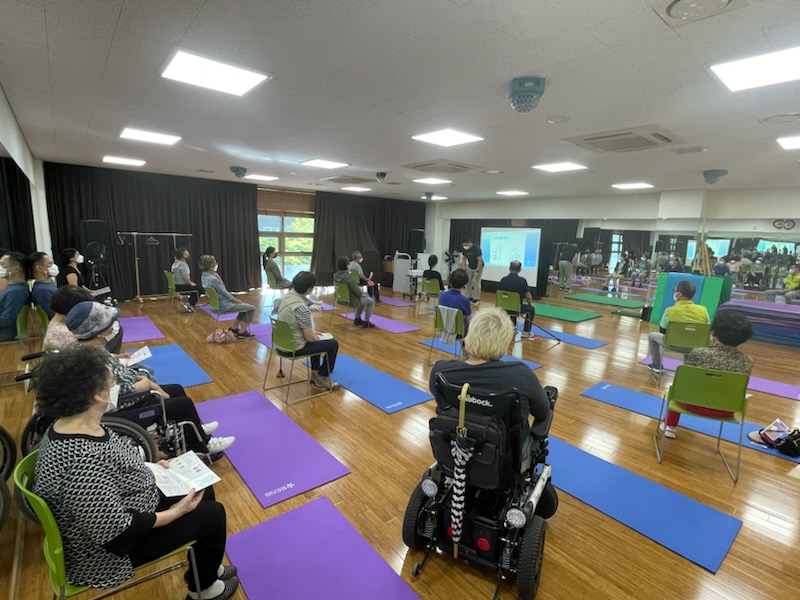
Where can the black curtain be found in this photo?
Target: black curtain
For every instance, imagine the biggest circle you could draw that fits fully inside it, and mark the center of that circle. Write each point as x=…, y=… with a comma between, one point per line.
x=636, y=241
x=375, y=226
x=470, y=229
x=220, y=215
x=16, y=212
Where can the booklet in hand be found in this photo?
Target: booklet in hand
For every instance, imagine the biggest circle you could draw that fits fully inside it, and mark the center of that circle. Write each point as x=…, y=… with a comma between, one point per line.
x=186, y=472
x=137, y=357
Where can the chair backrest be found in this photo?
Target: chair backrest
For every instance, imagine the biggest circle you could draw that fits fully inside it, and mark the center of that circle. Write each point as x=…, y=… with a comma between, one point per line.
x=282, y=338
x=213, y=299
x=271, y=279
x=492, y=419
x=687, y=335
x=431, y=287
x=170, y=282
x=438, y=323
x=53, y=544
x=342, y=294
x=709, y=388
x=22, y=322
x=508, y=301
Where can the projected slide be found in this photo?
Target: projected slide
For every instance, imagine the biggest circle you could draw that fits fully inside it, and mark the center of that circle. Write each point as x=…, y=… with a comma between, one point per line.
x=720, y=248
x=501, y=245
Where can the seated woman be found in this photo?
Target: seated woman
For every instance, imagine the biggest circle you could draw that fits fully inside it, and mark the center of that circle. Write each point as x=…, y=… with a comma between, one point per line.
x=455, y=298
x=70, y=273
x=183, y=279
x=110, y=514
x=270, y=266
x=730, y=329
x=43, y=269
x=431, y=273
x=621, y=270
x=489, y=336
x=92, y=324
x=227, y=303
x=15, y=294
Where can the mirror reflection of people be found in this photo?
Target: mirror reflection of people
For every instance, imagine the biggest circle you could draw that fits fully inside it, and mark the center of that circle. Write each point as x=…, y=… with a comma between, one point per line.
x=791, y=287
x=373, y=288
x=182, y=273
x=270, y=266
x=227, y=303
x=43, y=270
x=70, y=271
x=110, y=514
x=14, y=296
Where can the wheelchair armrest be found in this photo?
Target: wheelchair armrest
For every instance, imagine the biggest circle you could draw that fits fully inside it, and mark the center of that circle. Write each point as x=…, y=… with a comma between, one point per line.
x=541, y=428
x=127, y=400
x=33, y=356
x=23, y=376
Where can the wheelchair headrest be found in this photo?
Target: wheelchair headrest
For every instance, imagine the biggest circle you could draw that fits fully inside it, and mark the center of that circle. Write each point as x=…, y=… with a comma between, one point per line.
x=499, y=404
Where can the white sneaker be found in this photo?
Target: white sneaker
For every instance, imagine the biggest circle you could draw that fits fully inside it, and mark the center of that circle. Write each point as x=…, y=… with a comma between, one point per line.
x=324, y=382
x=210, y=428
x=219, y=444
x=670, y=432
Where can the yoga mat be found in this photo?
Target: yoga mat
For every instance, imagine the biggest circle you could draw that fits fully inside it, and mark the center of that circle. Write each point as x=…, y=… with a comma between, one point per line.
x=138, y=329
x=647, y=405
x=395, y=302
x=312, y=552
x=389, y=325
x=263, y=333
x=274, y=456
x=223, y=317
x=605, y=300
x=439, y=345
x=567, y=338
x=689, y=528
x=756, y=384
x=564, y=314
x=376, y=387
x=589, y=289
x=628, y=313
x=173, y=365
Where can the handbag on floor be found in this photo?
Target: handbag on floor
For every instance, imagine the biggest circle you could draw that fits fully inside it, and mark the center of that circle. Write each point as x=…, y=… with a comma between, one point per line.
x=790, y=444
x=221, y=336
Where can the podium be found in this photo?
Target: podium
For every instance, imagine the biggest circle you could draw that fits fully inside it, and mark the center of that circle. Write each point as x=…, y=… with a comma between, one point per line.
x=711, y=292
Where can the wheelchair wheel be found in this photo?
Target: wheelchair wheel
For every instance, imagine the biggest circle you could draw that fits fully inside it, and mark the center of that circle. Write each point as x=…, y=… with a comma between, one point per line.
x=529, y=564
x=32, y=432
x=134, y=435
x=548, y=503
x=5, y=502
x=411, y=536
x=8, y=453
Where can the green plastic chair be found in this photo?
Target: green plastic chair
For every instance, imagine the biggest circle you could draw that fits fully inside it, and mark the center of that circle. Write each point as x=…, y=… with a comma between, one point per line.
x=341, y=295
x=53, y=546
x=23, y=319
x=438, y=327
x=682, y=338
x=509, y=302
x=284, y=346
x=707, y=388
x=429, y=289
x=173, y=293
x=271, y=281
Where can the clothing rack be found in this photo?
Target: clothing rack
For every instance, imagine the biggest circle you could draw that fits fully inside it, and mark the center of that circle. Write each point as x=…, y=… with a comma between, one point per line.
x=152, y=235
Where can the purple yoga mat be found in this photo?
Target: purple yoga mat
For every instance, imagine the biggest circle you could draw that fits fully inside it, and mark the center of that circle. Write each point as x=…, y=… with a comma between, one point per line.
x=274, y=456
x=312, y=552
x=766, y=306
x=389, y=325
x=138, y=329
x=263, y=333
x=395, y=302
x=756, y=384
x=222, y=317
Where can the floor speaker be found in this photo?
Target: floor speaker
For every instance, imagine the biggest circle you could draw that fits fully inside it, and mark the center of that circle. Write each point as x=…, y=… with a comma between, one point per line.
x=416, y=242
x=96, y=242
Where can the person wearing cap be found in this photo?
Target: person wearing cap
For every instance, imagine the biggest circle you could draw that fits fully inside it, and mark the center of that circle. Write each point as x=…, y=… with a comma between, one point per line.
x=93, y=324
x=373, y=289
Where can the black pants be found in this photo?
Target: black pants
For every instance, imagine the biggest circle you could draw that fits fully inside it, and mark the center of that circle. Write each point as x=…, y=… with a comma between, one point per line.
x=181, y=408
x=195, y=291
x=329, y=346
x=206, y=524
x=115, y=345
x=527, y=311
x=374, y=291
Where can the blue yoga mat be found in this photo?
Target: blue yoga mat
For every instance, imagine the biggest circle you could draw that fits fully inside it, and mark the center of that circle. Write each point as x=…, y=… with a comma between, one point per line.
x=173, y=365
x=439, y=345
x=567, y=338
x=647, y=405
x=687, y=527
x=376, y=387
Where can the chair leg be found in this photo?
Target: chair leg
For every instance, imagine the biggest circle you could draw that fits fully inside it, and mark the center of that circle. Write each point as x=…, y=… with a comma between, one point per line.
x=430, y=349
x=266, y=373
x=289, y=384
x=660, y=435
x=733, y=474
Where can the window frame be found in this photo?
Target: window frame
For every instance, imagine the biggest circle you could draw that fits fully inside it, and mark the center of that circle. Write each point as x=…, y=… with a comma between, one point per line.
x=283, y=235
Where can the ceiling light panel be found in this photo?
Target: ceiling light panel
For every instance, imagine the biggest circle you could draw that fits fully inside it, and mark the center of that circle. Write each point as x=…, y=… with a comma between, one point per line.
x=447, y=138
x=758, y=71
x=141, y=135
x=210, y=74
x=119, y=160
x=355, y=188
x=324, y=164
x=790, y=143
x=512, y=193
x=432, y=181
x=433, y=197
x=256, y=177
x=560, y=167
x=638, y=185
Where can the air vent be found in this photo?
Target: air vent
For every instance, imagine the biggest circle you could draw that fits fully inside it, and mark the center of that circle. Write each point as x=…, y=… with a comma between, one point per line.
x=625, y=140
x=441, y=166
x=689, y=150
x=392, y=183
x=205, y=171
x=348, y=179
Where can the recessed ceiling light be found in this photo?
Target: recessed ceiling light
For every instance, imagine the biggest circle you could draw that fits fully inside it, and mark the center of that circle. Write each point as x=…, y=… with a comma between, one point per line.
x=512, y=193
x=432, y=181
x=493, y=171
x=789, y=143
x=640, y=185
x=119, y=160
x=324, y=164
x=213, y=75
x=758, y=71
x=783, y=118
x=695, y=9
x=355, y=188
x=557, y=119
x=149, y=136
x=260, y=177
x=447, y=138
x=560, y=167
x=434, y=197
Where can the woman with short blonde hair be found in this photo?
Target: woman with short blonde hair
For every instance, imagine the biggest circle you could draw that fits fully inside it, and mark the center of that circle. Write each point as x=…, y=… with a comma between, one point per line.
x=490, y=333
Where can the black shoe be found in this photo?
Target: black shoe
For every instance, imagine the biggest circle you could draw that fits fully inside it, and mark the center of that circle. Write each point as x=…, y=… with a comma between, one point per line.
x=367, y=325
x=358, y=321
x=378, y=301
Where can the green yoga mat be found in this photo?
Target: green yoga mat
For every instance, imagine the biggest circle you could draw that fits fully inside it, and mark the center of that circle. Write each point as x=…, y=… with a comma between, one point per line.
x=606, y=300
x=564, y=314
x=628, y=313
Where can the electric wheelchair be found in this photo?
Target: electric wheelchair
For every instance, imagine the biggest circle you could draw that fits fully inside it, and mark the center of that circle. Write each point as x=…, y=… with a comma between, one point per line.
x=486, y=498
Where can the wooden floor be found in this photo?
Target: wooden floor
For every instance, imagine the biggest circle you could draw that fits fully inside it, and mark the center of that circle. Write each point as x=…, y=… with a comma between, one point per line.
x=587, y=554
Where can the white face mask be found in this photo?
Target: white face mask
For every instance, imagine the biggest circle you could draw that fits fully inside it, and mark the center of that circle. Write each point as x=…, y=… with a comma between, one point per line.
x=676, y=296
x=80, y=259
x=52, y=270
x=216, y=267
x=465, y=248
x=3, y=272
x=114, y=331
x=113, y=399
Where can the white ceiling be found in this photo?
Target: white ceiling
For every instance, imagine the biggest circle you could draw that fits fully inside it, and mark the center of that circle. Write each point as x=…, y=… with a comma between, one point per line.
x=353, y=80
